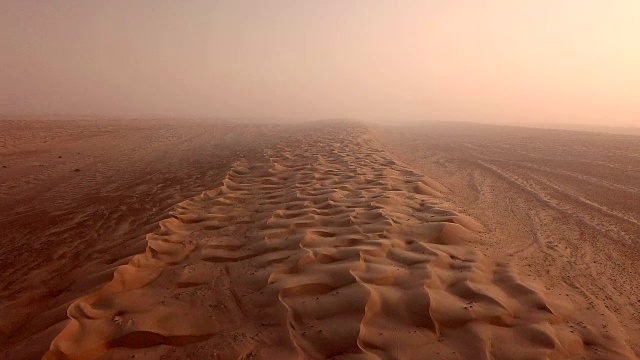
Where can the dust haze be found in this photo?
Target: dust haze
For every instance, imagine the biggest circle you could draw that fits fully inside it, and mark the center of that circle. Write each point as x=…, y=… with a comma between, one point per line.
x=525, y=62
x=319, y=180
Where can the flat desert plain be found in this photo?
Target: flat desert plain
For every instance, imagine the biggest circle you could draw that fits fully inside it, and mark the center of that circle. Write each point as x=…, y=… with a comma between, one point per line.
x=324, y=240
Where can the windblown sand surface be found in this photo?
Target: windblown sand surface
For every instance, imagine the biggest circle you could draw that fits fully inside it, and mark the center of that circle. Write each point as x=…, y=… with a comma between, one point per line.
x=317, y=243
x=64, y=231
x=563, y=206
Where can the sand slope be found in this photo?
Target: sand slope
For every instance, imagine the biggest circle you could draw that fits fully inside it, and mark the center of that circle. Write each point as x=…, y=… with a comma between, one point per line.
x=63, y=232
x=326, y=248
x=561, y=205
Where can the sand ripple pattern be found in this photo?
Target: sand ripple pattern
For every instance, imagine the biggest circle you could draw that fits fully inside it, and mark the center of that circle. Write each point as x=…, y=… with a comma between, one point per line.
x=329, y=249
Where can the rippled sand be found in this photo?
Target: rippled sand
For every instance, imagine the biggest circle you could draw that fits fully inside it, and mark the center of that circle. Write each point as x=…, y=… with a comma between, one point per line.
x=317, y=241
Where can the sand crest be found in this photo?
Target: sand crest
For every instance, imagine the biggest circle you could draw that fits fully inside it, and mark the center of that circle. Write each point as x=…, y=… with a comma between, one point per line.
x=327, y=248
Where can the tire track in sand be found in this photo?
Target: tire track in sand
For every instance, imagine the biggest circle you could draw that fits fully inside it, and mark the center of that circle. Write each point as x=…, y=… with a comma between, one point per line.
x=329, y=249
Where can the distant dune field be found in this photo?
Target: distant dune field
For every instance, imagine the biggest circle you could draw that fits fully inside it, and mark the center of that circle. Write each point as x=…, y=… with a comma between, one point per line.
x=325, y=240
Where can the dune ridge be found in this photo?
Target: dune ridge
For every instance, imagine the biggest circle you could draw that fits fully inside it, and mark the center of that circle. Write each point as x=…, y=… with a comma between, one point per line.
x=64, y=232
x=561, y=205
x=328, y=248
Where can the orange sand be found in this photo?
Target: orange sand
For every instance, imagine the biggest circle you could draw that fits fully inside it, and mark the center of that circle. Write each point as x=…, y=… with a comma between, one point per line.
x=317, y=244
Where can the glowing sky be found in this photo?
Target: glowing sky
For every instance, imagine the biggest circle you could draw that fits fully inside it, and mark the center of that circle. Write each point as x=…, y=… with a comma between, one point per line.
x=568, y=61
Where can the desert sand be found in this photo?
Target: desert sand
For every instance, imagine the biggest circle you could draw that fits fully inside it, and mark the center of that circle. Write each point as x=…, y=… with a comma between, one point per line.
x=562, y=206
x=327, y=240
x=64, y=231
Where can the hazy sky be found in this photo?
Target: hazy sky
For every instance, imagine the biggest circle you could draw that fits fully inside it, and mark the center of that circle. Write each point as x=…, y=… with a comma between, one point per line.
x=567, y=61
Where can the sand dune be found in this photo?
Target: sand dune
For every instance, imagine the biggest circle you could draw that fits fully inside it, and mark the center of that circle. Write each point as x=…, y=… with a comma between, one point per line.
x=63, y=232
x=326, y=247
x=561, y=205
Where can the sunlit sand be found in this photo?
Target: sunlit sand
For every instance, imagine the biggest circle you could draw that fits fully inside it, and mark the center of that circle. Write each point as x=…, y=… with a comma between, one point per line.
x=317, y=240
